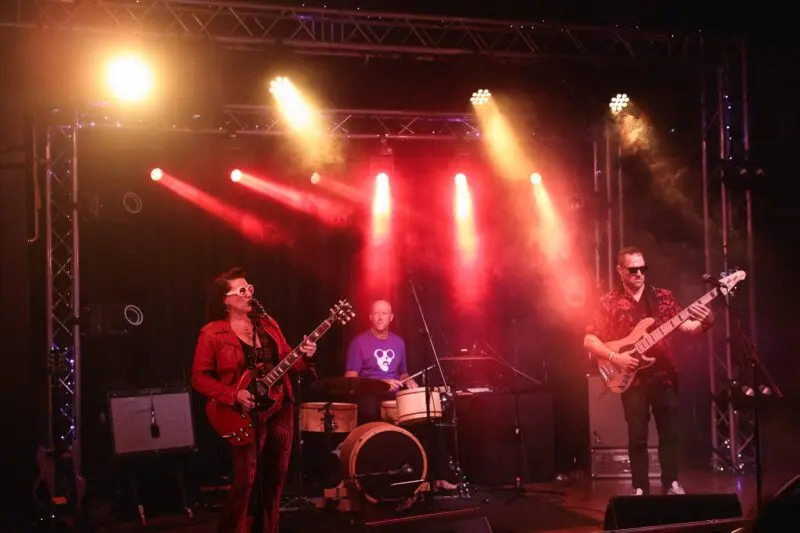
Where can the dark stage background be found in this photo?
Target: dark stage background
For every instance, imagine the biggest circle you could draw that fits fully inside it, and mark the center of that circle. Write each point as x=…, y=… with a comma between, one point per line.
x=162, y=259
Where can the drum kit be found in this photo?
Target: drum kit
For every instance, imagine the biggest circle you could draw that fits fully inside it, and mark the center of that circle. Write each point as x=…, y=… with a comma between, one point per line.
x=380, y=462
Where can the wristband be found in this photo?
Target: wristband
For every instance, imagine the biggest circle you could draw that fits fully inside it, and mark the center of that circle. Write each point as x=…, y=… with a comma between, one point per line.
x=611, y=357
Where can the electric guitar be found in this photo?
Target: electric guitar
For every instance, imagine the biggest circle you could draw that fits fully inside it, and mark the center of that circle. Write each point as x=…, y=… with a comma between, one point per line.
x=235, y=424
x=618, y=379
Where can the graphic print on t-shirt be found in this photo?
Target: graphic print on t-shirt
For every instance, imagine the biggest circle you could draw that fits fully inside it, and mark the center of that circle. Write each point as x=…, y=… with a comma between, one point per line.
x=374, y=358
x=384, y=358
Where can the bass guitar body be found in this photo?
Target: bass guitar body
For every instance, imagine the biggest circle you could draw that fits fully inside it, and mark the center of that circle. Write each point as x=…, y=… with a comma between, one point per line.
x=235, y=424
x=616, y=378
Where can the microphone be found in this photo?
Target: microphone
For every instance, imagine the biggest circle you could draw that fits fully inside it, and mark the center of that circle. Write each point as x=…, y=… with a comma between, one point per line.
x=708, y=278
x=155, y=431
x=258, y=307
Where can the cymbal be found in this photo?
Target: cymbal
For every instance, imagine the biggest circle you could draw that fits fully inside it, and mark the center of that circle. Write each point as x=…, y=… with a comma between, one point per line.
x=349, y=386
x=466, y=358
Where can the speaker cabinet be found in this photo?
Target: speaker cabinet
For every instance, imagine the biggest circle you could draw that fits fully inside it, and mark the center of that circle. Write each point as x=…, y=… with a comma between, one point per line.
x=607, y=426
x=487, y=442
x=627, y=512
x=455, y=521
x=151, y=420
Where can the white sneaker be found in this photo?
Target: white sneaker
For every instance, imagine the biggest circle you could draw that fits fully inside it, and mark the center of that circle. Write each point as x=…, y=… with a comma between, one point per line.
x=675, y=488
x=638, y=492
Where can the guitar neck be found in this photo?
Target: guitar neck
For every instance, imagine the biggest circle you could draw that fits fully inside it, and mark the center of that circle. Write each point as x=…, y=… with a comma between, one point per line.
x=658, y=334
x=283, y=366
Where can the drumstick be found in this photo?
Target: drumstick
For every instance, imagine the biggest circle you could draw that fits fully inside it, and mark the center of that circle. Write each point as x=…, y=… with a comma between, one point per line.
x=417, y=374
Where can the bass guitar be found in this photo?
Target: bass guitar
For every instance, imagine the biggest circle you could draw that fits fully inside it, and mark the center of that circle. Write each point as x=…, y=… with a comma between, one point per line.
x=641, y=339
x=235, y=424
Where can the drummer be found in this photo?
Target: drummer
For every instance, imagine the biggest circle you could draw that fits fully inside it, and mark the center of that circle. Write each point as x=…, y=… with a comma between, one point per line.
x=380, y=354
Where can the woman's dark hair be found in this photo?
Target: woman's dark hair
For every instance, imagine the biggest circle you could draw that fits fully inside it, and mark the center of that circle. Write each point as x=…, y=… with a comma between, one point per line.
x=219, y=288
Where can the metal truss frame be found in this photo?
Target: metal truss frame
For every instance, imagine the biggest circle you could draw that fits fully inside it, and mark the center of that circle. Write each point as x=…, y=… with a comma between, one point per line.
x=319, y=31
x=63, y=289
x=266, y=121
x=315, y=31
x=726, y=141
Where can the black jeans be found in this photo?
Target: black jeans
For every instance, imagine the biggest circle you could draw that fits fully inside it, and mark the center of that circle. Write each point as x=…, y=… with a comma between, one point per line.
x=637, y=402
x=433, y=438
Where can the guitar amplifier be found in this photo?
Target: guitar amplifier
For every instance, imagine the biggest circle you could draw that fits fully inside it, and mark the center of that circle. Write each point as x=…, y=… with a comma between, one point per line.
x=607, y=426
x=612, y=463
x=151, y=420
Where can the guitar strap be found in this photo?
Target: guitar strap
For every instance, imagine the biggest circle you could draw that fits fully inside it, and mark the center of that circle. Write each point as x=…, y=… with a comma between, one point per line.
x=652, y=302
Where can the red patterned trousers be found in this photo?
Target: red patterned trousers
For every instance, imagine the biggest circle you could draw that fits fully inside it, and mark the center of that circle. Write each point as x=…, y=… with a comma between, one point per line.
x=273, y=450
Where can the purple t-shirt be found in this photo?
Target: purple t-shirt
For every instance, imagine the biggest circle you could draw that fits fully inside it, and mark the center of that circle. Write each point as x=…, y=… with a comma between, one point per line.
x=377, y=358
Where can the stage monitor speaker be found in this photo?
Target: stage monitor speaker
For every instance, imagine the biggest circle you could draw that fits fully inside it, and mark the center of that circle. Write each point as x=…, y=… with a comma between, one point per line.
x=469, y=520
x=151, y=420
x=607, y=427
x=628, y=512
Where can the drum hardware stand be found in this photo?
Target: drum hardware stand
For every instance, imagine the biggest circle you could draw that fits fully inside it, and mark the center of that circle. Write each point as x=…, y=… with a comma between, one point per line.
x=519, y=437
x=463, y=490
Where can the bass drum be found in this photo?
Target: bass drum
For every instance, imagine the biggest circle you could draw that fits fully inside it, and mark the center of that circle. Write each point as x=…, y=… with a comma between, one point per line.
x=384, y=462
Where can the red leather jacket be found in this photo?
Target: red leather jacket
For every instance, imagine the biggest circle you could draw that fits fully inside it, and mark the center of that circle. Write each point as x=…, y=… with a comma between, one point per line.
x=219, y=360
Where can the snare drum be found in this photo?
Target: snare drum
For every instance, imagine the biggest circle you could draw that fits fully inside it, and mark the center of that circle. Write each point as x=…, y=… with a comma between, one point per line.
x=389, y=411
x=411, y=408
x=344, y=417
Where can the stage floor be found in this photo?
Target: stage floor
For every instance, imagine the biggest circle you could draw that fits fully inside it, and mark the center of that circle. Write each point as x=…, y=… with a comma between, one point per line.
x=574, y=506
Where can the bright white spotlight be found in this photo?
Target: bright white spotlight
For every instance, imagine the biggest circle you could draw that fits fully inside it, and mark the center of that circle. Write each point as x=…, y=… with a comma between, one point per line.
x=480, y=97
x=236, y=175
x=619, y=102
x=280, y=86
x=536, y=178
x=129, y=78
x=315, y=178
x=156, y=174
x=460, y=179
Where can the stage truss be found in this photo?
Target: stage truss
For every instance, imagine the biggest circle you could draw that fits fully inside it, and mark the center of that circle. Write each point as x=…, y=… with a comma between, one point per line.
x=254, y=26
x=244, y=120
x=360, y=33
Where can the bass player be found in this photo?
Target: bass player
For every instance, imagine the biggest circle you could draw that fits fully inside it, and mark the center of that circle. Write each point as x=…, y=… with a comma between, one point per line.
x=654, y=387
x=234, y=340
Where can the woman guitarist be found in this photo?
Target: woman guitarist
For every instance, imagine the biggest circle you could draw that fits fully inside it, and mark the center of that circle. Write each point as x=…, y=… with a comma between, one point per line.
x=239, y=338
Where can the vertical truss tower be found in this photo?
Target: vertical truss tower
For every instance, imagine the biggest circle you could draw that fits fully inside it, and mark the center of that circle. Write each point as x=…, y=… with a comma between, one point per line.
x=63, y=289
x=729, y=245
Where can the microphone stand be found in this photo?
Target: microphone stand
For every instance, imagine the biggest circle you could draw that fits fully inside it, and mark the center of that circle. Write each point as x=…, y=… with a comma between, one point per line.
x=519, y=437
x=256, y=313
x=751, y=359
x=463, y=489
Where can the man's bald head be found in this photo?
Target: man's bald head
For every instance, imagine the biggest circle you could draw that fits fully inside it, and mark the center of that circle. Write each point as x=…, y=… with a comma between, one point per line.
x=381, y=315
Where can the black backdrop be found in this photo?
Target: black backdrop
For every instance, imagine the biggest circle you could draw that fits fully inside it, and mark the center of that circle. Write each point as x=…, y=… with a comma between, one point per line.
x=162, y=259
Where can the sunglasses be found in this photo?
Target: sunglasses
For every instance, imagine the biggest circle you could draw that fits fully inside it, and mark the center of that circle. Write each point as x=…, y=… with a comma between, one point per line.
x=635, y=270
x=242, y=291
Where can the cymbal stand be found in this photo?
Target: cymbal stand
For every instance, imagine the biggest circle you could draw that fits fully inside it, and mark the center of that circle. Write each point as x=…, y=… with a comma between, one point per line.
x=519, y=435
x=463, y=488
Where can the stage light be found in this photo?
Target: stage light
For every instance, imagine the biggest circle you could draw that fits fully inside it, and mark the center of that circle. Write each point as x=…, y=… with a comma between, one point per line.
x=129, y=78
x=460, y=179
x=536, y=178
x=280, y=86
x=236, y=175
x=156, y=174
x=619, y=102
x=480, y=97
x=315, y=178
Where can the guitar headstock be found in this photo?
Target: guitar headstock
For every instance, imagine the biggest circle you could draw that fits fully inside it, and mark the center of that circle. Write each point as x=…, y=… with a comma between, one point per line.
x=729, y=281
x=342, y=312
